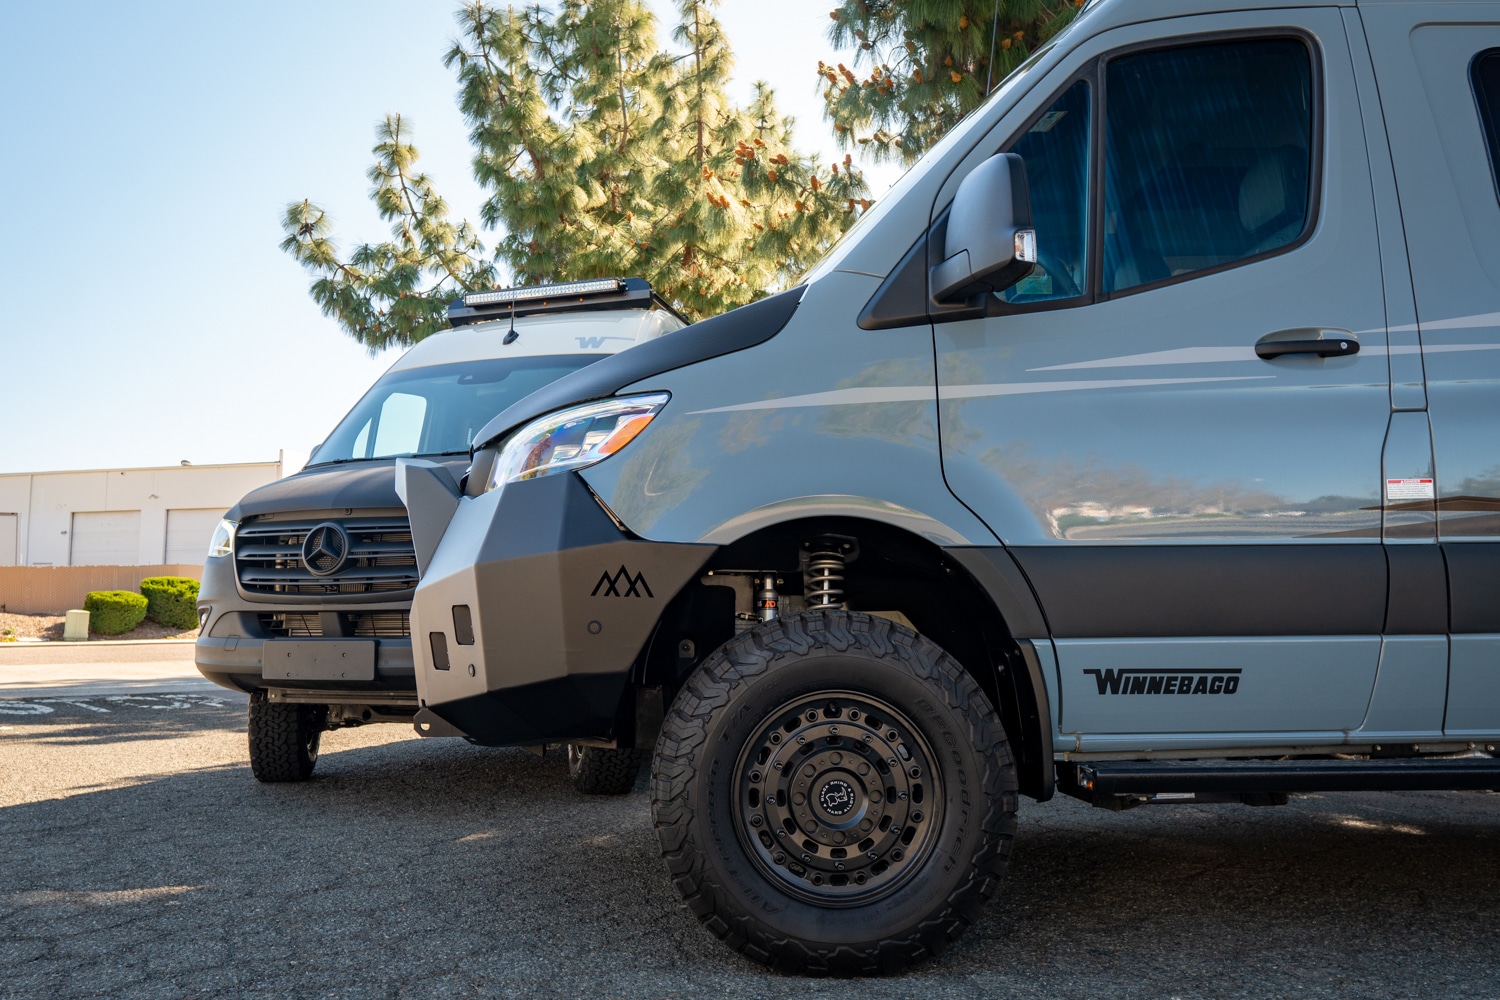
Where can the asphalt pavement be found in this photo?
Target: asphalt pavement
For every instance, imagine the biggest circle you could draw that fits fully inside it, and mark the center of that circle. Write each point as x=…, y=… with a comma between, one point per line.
x=142, y=859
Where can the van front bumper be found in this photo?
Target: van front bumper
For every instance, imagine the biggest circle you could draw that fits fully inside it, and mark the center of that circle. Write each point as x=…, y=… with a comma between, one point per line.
x=533, y=612
x=236, y=662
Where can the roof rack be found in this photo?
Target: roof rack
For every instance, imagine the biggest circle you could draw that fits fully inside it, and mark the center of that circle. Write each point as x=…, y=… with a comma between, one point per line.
x=571, y=296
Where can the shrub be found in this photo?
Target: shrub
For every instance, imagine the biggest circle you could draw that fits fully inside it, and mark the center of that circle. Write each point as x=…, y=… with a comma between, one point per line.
x=171, y=600
x=114, y=611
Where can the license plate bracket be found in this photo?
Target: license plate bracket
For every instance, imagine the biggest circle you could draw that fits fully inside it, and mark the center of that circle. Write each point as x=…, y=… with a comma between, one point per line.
x=318, y=660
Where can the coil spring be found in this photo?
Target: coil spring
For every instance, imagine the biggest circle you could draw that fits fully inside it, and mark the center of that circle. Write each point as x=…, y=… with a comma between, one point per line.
x=824, y=581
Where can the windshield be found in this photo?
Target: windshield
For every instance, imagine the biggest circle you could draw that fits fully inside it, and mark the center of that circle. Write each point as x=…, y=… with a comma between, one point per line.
x=437, y=410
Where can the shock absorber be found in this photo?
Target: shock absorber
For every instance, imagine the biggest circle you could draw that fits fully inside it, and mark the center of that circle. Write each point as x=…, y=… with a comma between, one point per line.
x=767, y=600
x=823, y=580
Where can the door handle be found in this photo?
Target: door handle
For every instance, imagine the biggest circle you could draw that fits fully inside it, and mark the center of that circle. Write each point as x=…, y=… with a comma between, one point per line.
x=1312, y=340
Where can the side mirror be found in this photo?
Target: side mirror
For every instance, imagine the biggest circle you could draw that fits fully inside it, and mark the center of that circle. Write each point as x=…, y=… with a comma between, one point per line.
x=990, y=244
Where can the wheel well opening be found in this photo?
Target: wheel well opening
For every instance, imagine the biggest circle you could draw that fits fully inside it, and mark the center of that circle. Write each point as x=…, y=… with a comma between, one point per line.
x=886, y=571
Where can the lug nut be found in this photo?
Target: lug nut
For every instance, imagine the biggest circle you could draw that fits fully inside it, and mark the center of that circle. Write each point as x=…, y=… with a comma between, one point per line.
x=779, y=858
x=756, y=820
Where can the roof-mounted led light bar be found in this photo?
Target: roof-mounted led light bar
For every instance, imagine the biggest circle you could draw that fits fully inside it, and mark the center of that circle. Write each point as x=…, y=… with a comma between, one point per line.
x=533, y=292
x=593, y=294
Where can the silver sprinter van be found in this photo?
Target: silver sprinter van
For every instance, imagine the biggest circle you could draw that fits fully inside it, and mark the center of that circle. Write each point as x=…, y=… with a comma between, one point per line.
x=1143, y=442
x=306, y=593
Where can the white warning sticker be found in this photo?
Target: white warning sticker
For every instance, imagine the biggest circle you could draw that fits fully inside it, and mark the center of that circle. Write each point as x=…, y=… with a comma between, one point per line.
x=1408, y=489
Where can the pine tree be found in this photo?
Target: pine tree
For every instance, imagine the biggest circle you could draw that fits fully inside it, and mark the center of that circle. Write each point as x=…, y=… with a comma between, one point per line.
x=394, y=292
x=602, y=154
x=929, y=63
x=738, y=209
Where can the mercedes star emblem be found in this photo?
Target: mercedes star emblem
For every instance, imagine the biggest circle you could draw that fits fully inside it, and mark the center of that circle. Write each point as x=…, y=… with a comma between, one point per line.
x=325, y=548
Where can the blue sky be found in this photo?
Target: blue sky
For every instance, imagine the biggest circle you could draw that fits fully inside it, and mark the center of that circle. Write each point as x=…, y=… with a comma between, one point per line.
x=150, y=150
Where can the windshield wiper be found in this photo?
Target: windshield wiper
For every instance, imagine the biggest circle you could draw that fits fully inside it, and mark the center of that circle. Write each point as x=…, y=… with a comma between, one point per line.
x=336, y=461
x=387, y=458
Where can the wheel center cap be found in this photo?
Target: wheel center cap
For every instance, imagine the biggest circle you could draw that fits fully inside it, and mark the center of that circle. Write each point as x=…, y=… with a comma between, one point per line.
x=836, y=797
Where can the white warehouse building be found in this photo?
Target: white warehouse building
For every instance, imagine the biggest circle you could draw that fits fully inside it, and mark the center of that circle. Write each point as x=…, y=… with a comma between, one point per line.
x=120, y=517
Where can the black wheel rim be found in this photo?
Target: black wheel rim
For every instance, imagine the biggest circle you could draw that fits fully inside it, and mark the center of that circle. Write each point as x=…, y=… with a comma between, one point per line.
x=836, y=799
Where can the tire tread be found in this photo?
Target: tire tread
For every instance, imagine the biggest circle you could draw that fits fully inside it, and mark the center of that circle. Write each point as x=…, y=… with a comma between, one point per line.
x=283, y=739
x=604, y=771
x=713, y=686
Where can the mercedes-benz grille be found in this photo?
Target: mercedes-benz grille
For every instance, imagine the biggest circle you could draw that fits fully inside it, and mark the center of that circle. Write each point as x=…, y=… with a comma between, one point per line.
x=268, y=556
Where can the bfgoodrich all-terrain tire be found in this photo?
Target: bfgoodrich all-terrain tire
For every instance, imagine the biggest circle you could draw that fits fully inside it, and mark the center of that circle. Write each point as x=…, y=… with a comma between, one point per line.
x=834, y=793
x=604, y=771
x=284, y=738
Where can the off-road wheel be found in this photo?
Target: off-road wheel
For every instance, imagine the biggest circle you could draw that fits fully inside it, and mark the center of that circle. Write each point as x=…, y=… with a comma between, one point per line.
x=284, y=738
x=603, y=771
x=834, y=793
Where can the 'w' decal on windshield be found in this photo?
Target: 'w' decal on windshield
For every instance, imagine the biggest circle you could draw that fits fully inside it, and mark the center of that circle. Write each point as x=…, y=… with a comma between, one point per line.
x=610, y=583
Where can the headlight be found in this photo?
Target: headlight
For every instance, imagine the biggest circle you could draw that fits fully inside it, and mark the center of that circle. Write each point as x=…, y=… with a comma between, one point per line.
x=222, y=544
x=575, y=438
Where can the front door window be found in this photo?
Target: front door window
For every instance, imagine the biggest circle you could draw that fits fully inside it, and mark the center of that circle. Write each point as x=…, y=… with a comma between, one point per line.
x=1056, y=151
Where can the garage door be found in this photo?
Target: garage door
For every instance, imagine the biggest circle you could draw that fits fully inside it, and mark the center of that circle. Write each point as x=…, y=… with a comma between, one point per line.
x=106, y=538
x=7, y=539
x=188, y=534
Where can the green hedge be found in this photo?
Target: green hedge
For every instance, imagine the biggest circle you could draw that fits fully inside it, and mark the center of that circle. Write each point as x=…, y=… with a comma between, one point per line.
x=114, y=611
x=171, y=600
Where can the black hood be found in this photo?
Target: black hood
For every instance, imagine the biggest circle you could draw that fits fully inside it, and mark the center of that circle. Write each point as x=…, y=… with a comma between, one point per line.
x=735, y=330
x=363, y=485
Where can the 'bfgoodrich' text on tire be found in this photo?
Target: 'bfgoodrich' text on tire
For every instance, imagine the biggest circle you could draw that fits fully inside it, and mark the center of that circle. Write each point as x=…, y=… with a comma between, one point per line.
x=833, y=793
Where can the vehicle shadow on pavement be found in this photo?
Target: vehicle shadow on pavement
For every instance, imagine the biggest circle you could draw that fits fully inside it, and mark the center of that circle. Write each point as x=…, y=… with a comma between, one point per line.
x=431, y=867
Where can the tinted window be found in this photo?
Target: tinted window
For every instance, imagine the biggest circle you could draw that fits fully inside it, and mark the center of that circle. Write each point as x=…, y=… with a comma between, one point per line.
x=1056, y=151
x=437, y=410
x=1208, y=157
x=1485, y=74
